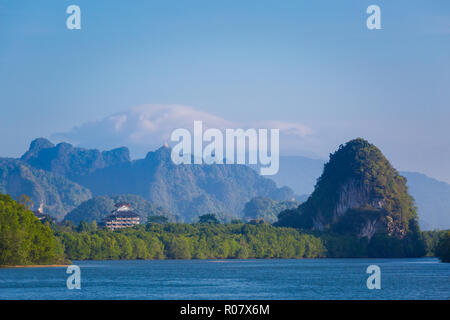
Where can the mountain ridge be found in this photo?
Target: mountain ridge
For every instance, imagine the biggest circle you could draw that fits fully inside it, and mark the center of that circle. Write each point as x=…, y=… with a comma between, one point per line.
x=188, y=190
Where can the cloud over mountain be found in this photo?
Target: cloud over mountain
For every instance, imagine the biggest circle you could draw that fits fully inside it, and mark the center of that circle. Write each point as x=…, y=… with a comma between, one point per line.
x=144, y=128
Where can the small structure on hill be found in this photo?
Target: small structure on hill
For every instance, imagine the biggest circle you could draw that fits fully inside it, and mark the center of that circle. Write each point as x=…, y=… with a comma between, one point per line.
x=121, y=217
x=39, y=213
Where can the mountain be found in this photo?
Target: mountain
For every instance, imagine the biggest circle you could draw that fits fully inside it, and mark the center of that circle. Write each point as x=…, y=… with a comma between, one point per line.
x=57, y=194
x=71, y=162
x=187, y=190
x=98, y=208
x=359, y=193
x=432, y=200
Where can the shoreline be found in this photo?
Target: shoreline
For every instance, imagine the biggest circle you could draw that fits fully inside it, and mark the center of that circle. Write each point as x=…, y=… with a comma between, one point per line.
x=35, y=266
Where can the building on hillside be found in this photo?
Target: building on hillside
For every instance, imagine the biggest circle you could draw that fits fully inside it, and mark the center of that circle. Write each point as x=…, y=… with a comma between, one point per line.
x=121, y=217
x=39, y=213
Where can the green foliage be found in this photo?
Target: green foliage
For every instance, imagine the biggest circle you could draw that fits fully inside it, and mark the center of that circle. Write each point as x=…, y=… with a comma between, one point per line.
x=208, y=218
x=443, y=248
x=198, y=241
x=23, y=238
x=266, y=208
x=431, y=239
x=157, y=219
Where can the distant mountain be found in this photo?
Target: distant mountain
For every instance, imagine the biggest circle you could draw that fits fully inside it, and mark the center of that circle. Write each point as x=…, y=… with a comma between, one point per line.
x=187, y=190
x=359, y=193
x=432, y=199
x=71, y=162
x=57, y=194
x=99, y=207
x=299, y=173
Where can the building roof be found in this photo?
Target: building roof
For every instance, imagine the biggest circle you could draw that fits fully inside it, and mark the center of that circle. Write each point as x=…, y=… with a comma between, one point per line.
x=121, y=204
x=123, y=214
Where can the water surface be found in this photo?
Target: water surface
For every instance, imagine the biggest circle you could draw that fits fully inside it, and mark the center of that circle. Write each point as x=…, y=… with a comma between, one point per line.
x=425, y=278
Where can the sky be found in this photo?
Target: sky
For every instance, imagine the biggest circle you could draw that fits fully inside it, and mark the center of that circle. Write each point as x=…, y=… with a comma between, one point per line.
x=311, y=68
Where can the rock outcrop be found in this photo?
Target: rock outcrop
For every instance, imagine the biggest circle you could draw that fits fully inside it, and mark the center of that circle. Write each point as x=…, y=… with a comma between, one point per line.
x=359, y=193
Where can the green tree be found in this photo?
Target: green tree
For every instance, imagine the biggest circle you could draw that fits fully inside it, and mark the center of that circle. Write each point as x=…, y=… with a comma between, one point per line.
x=23, y=238
x=208, y=218
x=443, y=248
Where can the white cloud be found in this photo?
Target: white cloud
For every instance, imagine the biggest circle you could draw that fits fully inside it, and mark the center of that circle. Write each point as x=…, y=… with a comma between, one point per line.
x=147, y=127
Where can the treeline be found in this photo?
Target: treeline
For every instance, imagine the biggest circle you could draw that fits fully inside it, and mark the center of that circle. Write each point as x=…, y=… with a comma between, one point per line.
x=186, y=241
x=212, y=240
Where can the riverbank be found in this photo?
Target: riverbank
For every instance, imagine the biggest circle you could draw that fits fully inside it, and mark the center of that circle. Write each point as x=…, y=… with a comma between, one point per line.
x=36, y=266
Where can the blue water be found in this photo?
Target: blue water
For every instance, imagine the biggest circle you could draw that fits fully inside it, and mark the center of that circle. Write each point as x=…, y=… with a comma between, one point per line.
x=425, y=278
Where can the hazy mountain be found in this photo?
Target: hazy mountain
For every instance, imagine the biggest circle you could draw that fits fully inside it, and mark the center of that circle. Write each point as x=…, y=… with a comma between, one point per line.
x=57, y=194
x=299, y=173
x=432, y=200
x=188, y=190
x=359, y=193
x=99, y=207
x=66, y=160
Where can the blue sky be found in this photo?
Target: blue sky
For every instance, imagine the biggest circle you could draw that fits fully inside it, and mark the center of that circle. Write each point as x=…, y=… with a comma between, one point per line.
x=308, y=62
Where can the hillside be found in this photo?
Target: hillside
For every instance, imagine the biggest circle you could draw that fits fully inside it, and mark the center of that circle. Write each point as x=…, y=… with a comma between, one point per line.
x=359, y=193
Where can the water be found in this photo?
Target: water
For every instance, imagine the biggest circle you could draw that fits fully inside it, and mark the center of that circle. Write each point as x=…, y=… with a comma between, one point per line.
x=425, y=278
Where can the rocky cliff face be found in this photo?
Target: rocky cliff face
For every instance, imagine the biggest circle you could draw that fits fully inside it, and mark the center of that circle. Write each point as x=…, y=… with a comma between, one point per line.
x=359, y=193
